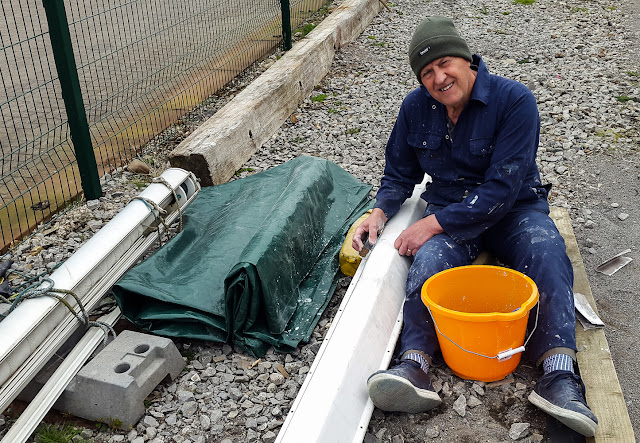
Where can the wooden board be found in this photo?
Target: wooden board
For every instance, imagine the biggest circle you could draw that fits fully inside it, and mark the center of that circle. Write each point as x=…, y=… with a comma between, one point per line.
x=221, y=145
x=604, y=394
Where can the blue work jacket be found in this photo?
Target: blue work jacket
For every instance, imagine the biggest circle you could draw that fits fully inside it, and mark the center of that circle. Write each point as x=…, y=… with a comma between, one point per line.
x=480, y=172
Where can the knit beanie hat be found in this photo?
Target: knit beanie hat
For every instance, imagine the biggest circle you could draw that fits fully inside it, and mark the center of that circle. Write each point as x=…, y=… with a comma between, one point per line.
x=435, y=37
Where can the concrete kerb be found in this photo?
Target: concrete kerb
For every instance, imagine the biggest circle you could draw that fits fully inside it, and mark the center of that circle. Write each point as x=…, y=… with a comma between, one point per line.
x=221, y=145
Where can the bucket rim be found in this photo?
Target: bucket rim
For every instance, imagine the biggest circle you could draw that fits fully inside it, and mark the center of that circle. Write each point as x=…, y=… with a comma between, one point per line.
x=521, y=312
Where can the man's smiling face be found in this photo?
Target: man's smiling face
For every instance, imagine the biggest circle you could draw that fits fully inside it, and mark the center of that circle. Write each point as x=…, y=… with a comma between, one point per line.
x=449, y=80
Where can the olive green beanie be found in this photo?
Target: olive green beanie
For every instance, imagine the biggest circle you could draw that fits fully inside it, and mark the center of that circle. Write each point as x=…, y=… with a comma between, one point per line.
x=435, y=37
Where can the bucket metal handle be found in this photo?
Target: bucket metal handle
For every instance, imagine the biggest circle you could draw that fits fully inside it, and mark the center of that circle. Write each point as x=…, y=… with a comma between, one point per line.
x=501, y=356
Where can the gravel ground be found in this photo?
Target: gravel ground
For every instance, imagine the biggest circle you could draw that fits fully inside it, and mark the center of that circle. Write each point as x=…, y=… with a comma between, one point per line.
x=580, y=60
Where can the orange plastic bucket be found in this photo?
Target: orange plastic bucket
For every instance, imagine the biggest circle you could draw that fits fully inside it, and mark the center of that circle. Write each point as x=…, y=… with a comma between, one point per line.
x=480, y=313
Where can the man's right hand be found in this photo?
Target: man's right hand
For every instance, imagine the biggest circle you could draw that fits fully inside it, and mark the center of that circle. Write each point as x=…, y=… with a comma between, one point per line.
x=371, y=226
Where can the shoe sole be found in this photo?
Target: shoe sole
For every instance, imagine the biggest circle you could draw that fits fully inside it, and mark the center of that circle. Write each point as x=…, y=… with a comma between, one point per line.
x=396, y=394
x=575, y=420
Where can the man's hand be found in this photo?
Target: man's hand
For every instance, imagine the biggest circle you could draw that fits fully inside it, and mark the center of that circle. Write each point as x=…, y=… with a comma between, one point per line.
x=372, y=226
x=412, y=238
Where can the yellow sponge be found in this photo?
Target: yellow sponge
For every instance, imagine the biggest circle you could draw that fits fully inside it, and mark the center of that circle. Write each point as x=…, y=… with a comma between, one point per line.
x=349, y=257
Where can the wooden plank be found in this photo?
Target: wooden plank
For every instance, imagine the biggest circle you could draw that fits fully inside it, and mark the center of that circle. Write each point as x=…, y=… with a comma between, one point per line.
x=604, y=394
x=222, y=144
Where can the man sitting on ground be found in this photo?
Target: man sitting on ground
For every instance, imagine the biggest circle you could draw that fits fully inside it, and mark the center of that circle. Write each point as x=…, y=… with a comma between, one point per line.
x=476, y=135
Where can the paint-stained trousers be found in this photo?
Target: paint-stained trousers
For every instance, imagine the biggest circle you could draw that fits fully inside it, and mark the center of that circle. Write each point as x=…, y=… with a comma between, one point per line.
x=526, y=240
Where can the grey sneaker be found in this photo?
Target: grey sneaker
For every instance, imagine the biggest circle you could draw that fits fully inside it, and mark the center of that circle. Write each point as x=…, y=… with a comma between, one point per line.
x=561, y=395
x=403, y=388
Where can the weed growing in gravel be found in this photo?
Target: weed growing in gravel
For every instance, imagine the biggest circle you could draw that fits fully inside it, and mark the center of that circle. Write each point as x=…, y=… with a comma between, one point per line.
x=56, y=433
x=325, y=9
x=305, y=29
x=113, y=423
x=308, y=28
x=576, y=9
x=140, y=184
x=632, y=74
x=351, y=131
x=190, y=355
x=523, y=2
x=506, y=13
x=484, y=10
x=320, y=98
x=626, y=98
x=241, y=170
x=601, y=133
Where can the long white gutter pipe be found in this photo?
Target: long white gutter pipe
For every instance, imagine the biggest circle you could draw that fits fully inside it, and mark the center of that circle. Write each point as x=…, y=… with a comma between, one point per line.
x=333, y=404
x=33, y=320
x=31, y=417
x=14, y=385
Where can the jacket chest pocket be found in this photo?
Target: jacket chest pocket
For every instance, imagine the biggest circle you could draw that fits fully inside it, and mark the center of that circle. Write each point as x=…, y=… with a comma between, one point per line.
x=481, y=146
x=430, y=151
x=427, y=145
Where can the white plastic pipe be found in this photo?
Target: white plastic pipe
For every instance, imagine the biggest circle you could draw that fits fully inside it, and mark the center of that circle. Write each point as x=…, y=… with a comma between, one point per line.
x=38, y=358
x=33, y=320
x=31, y=417
x=333, y=404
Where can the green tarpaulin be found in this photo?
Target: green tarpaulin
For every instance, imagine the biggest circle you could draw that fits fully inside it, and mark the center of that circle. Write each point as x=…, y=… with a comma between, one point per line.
x=256, y=262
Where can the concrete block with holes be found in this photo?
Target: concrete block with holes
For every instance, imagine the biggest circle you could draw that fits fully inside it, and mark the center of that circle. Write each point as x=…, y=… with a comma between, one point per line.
x=112, y=387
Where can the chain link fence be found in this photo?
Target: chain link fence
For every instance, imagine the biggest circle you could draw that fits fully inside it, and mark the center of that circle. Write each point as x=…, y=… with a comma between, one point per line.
x=85, y=84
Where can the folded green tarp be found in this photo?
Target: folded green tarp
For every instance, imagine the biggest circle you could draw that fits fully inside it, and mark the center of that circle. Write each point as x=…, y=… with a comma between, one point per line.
x=256, y=262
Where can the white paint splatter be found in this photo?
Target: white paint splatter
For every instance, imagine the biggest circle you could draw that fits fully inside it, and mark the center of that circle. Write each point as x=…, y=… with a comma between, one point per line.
x=497, y=206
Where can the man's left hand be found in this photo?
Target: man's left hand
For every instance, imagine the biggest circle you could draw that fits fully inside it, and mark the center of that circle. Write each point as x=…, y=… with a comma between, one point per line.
x=412, y=238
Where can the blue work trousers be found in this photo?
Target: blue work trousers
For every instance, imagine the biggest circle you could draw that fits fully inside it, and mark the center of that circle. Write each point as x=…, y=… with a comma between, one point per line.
x=526, y=240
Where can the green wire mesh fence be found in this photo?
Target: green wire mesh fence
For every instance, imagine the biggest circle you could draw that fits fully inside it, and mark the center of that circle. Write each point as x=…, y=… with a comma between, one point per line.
x=140, y=65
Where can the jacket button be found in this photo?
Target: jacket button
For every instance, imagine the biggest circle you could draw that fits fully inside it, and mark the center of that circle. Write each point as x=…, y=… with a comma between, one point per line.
x=424, y=143
x=447, y=137
x=433, y=106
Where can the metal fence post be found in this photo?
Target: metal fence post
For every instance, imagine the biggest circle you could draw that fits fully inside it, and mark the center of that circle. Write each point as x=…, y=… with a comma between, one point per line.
x=286, y=23
x=72, y=96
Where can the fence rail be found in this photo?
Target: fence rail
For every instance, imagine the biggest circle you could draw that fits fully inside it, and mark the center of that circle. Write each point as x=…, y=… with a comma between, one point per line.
x=140, y=65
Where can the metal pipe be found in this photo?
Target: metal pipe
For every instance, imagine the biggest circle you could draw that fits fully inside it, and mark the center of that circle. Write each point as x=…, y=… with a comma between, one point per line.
x=72, y=96
x=286, y=24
